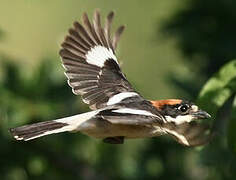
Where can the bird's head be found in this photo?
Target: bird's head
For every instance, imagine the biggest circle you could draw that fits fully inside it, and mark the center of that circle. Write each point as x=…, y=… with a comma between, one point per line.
x=179, y=111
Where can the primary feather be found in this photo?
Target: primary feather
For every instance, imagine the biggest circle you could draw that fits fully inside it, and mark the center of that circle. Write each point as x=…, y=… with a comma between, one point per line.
x=92, y=69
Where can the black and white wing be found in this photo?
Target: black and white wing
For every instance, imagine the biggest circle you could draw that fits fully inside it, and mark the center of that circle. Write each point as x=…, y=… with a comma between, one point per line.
x=92, y=69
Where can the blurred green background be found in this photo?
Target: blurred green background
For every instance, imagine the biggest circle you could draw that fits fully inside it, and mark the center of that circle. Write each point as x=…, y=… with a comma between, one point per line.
x=168, y=50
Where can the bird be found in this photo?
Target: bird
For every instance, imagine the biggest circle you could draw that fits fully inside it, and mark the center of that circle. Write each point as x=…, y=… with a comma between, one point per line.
x=118, y=111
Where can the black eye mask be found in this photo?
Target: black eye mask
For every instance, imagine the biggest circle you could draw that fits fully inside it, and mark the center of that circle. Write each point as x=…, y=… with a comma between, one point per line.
x=176, y=110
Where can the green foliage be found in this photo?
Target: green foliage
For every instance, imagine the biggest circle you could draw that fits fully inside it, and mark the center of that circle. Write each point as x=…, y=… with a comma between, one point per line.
x=232, y=128
x=218, y=98
x=205, y=34
x=27, y=99
x=219, y=88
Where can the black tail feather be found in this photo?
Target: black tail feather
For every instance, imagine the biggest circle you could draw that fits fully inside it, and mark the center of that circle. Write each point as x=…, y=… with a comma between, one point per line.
x=32, y=131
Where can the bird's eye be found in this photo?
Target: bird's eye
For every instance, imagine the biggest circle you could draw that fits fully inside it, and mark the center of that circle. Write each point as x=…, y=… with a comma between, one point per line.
x=183, y=108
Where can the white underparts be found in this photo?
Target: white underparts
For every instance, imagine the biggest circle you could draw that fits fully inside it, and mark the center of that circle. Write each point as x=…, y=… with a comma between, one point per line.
x=179, y=119
x=119, y=97
x=158, y=130
x=179, y=136
x=99, y=54
x=134, y=111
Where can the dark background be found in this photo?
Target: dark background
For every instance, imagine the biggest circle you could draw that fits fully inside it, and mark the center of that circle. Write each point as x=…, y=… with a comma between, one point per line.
x=169, y=49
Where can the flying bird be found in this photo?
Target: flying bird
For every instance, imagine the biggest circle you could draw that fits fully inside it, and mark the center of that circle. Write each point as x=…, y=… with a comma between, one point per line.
x=119, y=112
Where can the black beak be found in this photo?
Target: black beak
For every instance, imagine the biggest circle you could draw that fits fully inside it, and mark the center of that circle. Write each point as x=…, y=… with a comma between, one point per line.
x=201, y=115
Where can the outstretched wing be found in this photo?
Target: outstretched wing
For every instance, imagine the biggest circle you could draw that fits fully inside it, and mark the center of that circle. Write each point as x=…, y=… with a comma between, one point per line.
x=92, y=69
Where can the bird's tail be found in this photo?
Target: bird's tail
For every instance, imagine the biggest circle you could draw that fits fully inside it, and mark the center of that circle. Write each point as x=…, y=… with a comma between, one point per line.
x=36, y=130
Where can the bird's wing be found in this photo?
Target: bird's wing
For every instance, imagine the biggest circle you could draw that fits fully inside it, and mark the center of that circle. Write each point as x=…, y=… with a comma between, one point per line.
x=92, y=69
x=128, y=116
x=132, y=111
x=189, y=134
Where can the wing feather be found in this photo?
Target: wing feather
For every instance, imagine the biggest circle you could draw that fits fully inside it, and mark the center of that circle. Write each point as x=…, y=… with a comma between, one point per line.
x=88, y=56
x=107, y=29
x=117, y=36
x=90, y=29
x=98, y=28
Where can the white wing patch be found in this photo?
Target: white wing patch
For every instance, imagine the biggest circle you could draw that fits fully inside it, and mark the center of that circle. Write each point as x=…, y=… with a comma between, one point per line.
x=119, y=97
x=134, y=111
x=98, y=55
